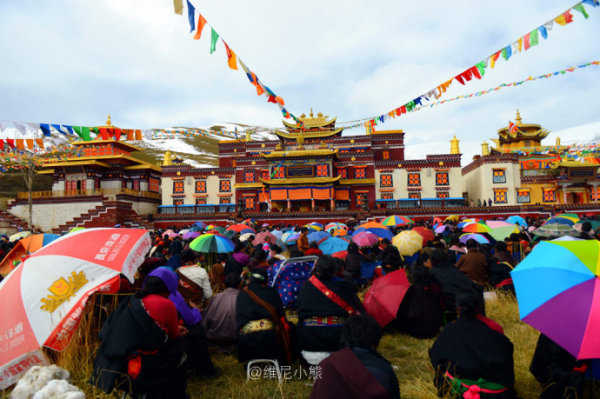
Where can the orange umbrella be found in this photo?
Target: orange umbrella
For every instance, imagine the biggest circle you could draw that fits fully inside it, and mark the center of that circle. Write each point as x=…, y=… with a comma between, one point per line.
x=22, y=248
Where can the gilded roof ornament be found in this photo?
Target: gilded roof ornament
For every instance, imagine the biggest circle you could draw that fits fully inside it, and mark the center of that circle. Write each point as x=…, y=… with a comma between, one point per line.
x=518, y=118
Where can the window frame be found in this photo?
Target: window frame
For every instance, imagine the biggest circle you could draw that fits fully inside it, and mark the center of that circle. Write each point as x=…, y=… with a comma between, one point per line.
x=178, y=187
x=411, y=176
x=360, y=173
x=501, y=176
x=383, y=180
x=553, y=191
x=202, y=186
x=519, y=196
x=442, y=195
x=249, y=176
x=200, y=200
x=500, y=196
x=444, y=177
x=224, y=185
x=387, y=196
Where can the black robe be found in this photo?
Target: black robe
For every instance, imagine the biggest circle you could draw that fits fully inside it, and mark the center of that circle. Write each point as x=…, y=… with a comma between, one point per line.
x=420, y=313
x=468, y=348
x=312, y=302
x=452, y=281
x=356, y=374
x=261, y=344
x=129, y=328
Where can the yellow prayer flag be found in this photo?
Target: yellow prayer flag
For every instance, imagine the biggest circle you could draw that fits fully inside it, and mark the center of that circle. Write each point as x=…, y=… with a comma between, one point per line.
x=29, y=143
x=178, y=4
x=560, y=20
x=520, y=44
x=20, y=144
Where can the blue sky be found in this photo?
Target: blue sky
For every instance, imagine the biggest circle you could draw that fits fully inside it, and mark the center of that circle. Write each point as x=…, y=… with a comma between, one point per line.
x=69, y=61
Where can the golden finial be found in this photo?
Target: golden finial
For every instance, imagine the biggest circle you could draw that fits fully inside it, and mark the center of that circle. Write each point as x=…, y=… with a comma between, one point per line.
x=247, y=135
x=558, y=141
x=320, y=115
x=454, y=147
x=311, y=113
x=518, y=118
x=300, y=140
x=485, y=149
x=108, y=123
x=168, y=159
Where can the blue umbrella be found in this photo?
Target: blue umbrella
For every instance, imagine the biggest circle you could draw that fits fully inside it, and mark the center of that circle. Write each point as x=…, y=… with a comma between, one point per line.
x=318, y=236
x=200, y=225
x=277, y=233
x=516, y=219
x=291, y=238
x=559, y=220
x=333, y=245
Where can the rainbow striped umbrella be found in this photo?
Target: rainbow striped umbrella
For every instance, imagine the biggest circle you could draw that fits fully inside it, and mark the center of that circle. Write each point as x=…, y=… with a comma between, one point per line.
x=376, y=228
x=335, y=226
x=476, y=228
x=396, y=220
x=212, y=243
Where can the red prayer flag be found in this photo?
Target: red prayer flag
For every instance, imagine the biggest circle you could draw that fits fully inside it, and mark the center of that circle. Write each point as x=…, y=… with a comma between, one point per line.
x=526, y=41
x=201, y=23
x=11, y=143
x=231, y=57
x=103, y=133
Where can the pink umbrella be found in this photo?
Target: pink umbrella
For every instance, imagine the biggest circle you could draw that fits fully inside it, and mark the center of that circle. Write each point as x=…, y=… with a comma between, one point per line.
x=365, y=239
x=494, y=224
x=260, y=238
x=48, y=292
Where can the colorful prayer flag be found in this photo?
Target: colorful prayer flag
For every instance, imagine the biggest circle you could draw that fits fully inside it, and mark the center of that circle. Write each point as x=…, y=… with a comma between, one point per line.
x=579, y=7
x=178, y=5
x=231, y=58
x=191, y=15
x=213, y=40
x=201, y=23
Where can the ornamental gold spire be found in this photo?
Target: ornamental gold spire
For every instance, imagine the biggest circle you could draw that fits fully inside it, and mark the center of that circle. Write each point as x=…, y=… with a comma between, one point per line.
x=454, y=148
x=518, y=118
x=108, y=122
x=485, y=148
x=168, y=159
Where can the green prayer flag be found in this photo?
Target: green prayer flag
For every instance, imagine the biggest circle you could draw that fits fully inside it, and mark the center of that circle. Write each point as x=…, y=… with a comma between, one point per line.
x=213, y=40
x=410, y=106
x=83, y=132
x=481, y=67
x=579, y=7
x=533, y=38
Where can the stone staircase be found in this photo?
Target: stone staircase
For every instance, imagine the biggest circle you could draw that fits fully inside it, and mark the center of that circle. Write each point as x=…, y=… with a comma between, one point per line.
x=109, y=214
x=16, y=222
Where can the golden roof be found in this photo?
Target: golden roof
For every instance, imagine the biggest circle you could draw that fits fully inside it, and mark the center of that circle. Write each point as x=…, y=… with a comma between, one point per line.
x=396, y=131
x=310, y=135
x=577, y=164
x=302, y=180
x=248, y=185
x=300, y=153
x=525, y=131
x=311, y=122
x=76, y=163
x=131, y=147
x=357, y=181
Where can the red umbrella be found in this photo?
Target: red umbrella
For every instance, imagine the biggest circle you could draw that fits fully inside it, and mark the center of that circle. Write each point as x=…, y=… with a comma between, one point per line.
x=384, y=297
x=340, y=254
x=425, y=233
x=238, y=228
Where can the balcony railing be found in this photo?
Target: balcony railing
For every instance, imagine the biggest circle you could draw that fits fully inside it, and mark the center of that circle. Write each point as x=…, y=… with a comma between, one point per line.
x=87, y=193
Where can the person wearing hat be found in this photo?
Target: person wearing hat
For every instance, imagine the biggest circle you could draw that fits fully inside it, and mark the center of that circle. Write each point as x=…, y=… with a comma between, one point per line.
x=389, y=256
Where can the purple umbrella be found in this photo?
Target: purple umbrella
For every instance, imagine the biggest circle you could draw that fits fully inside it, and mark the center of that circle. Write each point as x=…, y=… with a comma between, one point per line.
x=191, y=235
x=365, y=239
x=441, y=228
x=477, y=237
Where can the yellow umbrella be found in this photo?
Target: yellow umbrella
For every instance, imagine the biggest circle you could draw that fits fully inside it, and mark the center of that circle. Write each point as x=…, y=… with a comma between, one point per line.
x=408, y=242
x=452, y=218
x=20, y=235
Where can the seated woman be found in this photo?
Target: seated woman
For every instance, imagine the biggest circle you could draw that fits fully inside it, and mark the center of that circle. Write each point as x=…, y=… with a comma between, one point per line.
x=500, y=266
x=358, y=370
x=194, y=283
x=140, y=346
x=264, y=332
x=324, y=303
x=472, y=355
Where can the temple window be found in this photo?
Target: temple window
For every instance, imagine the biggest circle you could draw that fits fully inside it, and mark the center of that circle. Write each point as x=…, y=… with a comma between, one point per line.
x=201, y=201
x=387, y=196
x=224, y=185
x=322, y=170
x=523, y=196
x=249, y=202
x=178, y=202
x=549, y=195
x=360, y=173
x=441, y=195
x=414, y=195
x=385, y=154
x=264, y=174
x=249, y=177
x=178, y=187
x=441, y=179
x=153, y=185
x=414, y=179
x=527, y=143
x=136, y=185
x=200, y=186
x=499, y=176
x=342, y=173
x=385, y=180
x=500, y=196
x=224, y=200
x=361, y=198
x=279, y=172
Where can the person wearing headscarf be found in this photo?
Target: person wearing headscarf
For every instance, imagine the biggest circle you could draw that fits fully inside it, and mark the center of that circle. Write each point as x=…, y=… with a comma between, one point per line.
x=324, y=303
x=472, y=356
x=261, y=321
x=358, y=370
x=141, y=350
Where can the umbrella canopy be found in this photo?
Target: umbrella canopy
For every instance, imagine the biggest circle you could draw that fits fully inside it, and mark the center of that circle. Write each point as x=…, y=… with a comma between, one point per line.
x=239, y=228
x=248, y=222
x=190, y=235
x=440, y=229
x=333, y=244
x=477, y=237
x=200, y=225
x=334, y=226
x=553, y=230
x=516, y=219
x=500, y=233
x=494, y=224
x=212, y=243
x=476, y=228
x=365, y=239
x=452, y=218
x=437, y=220
x=170, y=235
x=74, y=229
x=318, y=236
x=340, y=255
x=48, y=291
x=377, y=229
x=246, y=236
x=340, y=232
x=277, y=233
x=229, y=234
x=183, y=232
x=260, y=238
x=408, y=242
x=558, y=292
x=24, y=247
x=290, y=237
x=18, y=236
x=559, y=220
x=384, y=297
x=425, y=233
x=396, y=220
x=571, y=216
x=315, y=226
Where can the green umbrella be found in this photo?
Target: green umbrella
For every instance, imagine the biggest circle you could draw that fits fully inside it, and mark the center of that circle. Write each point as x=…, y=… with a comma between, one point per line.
x=212, y=243
x=500, y=233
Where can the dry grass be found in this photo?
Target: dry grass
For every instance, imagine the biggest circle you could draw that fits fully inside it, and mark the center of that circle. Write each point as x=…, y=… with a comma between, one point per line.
x=408, y=355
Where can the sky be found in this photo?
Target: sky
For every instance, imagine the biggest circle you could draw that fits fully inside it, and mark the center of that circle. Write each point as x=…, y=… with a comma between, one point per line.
x=72, y=62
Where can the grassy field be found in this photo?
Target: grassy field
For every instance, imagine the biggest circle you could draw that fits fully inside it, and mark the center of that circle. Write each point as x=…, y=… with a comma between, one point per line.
x=409, y=356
